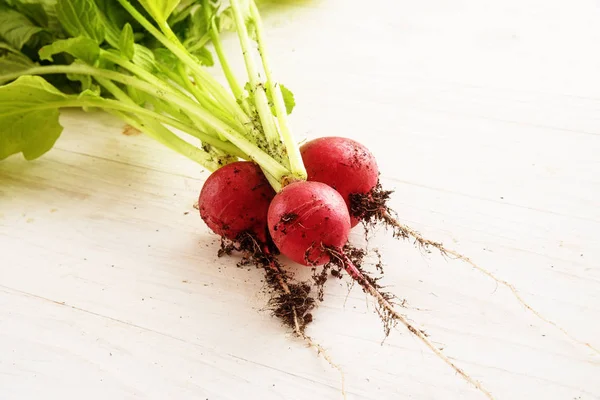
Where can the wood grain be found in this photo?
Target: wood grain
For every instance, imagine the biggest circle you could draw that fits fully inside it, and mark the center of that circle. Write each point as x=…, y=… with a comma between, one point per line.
x=484, y=117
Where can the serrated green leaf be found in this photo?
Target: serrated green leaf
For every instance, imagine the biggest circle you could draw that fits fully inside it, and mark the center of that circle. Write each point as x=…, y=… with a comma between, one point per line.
x=29, y=117
x=80, y=47
x=15, y=28
x=126, y=42
x=81, y=18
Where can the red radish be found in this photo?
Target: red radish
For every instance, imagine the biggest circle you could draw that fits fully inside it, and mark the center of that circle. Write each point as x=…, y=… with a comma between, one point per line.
x=309, y=223
x=342, y=163
x=235, y=199
x=306, y=216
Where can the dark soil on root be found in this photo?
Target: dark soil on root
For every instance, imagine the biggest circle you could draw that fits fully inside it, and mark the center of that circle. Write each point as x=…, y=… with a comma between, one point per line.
x=356, y=256
x=291, y=302
x=286, y=306
x=372, y=209
x=320, y=278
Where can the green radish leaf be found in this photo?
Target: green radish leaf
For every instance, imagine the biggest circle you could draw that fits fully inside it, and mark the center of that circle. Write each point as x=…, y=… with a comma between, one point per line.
x=126, y=43
x=116, y=15
x=41, y=12
x=94, y=92
x=16, y=29
x=198, y=25
x=166, y=59
x=34, y=10
x=204, y=56
x=183, y=10
x=81, y=18
x=288, y=99
x=113, y=17
x=143, y=57
x=85, y=80
x=29, y=117
x=249, y=93
x=80, y=47
x=10, y=63
x=160, y=10
x=12, y=60
x=89, y=93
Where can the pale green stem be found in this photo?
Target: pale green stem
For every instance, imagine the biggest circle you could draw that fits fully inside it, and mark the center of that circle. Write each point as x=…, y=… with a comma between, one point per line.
x=199, y=44
x=171, y=42
x=293, y=150
x=148, y=77
x=190, y=87
x=260, y=96
x=190, y=130
x=172, y=141
x=236, y=88
x=186, y=104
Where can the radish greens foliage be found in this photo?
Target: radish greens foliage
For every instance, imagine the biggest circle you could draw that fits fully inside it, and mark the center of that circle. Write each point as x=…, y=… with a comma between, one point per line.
x=147, y=62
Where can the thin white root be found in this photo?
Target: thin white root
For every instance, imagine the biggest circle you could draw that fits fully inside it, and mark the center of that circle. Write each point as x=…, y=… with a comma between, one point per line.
x=406, y=232
x=386, y=307
x=399, y=317
x=320, y=350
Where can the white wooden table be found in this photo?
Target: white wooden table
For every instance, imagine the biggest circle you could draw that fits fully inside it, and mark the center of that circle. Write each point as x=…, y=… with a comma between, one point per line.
x=485, y=118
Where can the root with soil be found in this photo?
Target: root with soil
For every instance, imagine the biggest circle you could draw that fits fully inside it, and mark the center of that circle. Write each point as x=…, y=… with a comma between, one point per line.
x=291, y=302
x=372, y=209
x=350, y=259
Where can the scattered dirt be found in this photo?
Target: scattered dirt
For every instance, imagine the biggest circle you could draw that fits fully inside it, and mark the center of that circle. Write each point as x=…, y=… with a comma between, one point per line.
x=284, y=221
x=290, y=302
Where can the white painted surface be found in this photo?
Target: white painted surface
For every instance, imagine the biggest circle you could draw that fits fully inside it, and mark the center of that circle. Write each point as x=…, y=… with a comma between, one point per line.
x=485, y=117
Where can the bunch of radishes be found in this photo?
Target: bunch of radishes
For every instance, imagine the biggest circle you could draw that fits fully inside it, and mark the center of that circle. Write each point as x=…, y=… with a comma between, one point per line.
x=302, y=201
x=306, y=219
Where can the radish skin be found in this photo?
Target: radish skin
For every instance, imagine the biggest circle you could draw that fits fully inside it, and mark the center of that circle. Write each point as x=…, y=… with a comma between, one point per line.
x=342, y=163
x=304, y=218
x=235, y=199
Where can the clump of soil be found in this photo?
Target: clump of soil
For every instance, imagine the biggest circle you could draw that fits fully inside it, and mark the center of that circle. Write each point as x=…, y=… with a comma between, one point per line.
x=371, y=209
x=292, y=303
